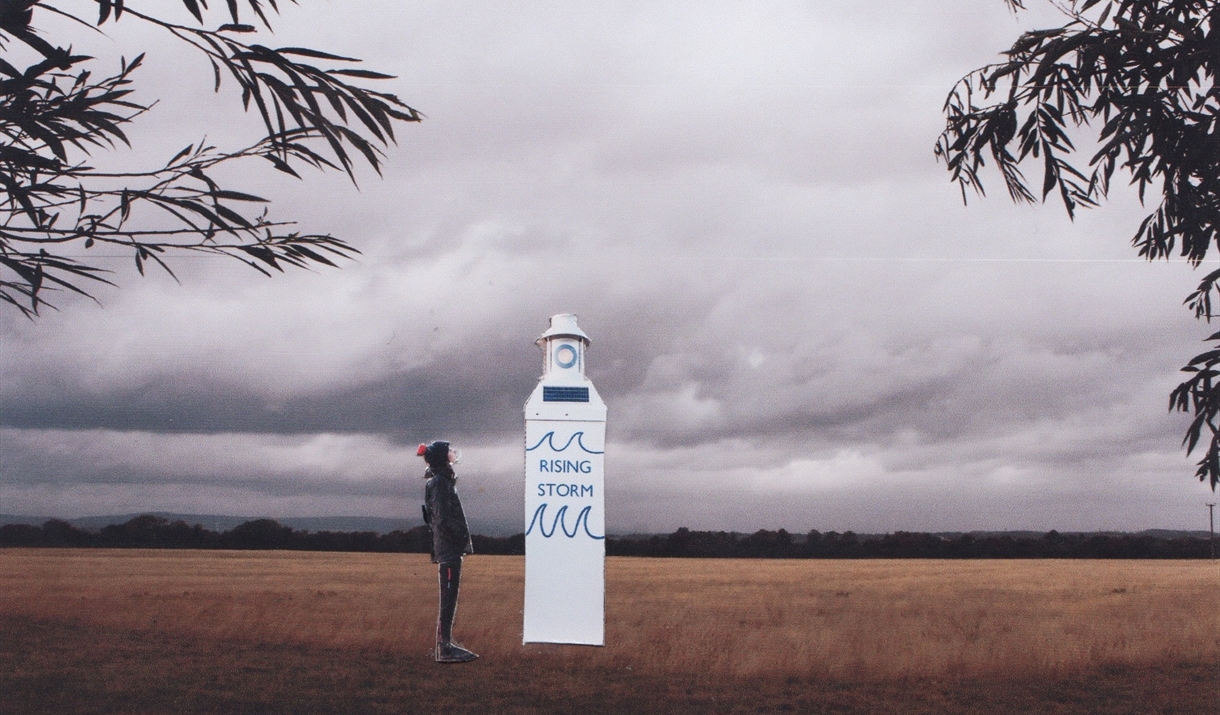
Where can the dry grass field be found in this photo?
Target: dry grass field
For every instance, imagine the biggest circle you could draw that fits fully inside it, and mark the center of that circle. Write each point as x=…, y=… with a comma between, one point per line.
x=682, y=635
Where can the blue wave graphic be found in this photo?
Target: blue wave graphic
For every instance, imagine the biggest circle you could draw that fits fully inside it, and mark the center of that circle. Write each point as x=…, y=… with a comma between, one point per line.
x=561, y=523
x=549, y=438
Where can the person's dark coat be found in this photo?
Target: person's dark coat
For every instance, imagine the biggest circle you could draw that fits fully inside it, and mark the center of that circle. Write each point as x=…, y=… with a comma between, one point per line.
x=450, y=535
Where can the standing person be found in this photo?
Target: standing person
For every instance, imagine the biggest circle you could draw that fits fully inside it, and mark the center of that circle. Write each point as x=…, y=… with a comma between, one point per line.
x=450, y=541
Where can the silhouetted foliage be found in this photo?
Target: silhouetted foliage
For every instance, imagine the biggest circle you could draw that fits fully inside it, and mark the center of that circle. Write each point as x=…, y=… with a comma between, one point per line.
x=61, y=109
x=414, y=541
x=260, y=534
x=1142, y=73
x=504, y=546
x=22, y=535
x=61, y=533
x=154, y=532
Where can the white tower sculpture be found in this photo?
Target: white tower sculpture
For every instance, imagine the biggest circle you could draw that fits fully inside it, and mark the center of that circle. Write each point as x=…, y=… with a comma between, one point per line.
x=565, y=515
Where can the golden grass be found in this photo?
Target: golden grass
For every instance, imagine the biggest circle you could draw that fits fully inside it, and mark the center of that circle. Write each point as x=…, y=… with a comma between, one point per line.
x=737, y=618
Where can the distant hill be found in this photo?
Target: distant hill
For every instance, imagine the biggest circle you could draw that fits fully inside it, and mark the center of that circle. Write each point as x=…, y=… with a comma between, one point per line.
x=220, y=522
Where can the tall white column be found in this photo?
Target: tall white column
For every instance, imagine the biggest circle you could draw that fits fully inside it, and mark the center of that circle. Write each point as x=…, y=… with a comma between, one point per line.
x=565, y=504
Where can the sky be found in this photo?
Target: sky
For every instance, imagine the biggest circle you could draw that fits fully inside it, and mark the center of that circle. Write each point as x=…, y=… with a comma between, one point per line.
x=795, y=321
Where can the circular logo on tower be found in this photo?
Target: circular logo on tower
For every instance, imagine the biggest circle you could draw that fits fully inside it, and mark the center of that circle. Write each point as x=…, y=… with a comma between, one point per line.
x=565, y=356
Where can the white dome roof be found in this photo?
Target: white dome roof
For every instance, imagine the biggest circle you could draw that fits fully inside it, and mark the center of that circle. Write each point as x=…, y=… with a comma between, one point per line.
x=563, y=326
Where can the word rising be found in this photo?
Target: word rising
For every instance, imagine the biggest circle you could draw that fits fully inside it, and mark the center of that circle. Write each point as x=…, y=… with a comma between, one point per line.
x=565, y=466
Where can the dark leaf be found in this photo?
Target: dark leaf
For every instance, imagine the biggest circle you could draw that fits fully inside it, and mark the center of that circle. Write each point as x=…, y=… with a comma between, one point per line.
x=366, y=74
x=237, y=196
x=193, y=6
x=181, y=154
x=317, y=54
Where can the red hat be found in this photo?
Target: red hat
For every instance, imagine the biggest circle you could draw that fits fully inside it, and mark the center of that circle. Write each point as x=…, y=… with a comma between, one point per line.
x=422, y=448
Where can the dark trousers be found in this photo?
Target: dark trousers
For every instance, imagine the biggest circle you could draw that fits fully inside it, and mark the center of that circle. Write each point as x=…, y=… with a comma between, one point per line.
x=450, y=580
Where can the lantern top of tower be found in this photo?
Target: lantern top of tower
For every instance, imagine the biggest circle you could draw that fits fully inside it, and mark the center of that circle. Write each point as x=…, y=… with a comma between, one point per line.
x=563, y=326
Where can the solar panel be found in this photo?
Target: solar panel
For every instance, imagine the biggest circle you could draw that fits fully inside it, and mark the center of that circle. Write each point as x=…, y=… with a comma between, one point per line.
x=565, y=394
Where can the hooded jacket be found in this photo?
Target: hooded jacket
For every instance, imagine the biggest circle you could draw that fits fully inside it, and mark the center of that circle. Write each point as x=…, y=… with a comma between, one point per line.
x=450, y=535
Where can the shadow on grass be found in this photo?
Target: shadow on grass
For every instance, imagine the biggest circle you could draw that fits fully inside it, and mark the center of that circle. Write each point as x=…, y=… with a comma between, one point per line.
x=60, y=667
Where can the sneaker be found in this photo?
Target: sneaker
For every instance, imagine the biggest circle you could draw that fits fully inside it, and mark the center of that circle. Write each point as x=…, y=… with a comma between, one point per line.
x=453, y=653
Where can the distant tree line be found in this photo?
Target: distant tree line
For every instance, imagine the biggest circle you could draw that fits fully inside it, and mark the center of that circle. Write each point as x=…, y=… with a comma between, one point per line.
x=155, y=532
x=907, y=545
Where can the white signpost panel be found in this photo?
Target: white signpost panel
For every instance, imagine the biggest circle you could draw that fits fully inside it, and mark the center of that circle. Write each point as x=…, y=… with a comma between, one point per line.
x=565, y=515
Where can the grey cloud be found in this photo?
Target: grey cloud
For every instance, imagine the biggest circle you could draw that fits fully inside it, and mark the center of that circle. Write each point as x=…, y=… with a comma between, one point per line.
x=462, y=399
x=684, y=375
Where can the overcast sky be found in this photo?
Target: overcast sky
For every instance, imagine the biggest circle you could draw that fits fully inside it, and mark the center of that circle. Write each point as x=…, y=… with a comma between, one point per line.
x=795, y=321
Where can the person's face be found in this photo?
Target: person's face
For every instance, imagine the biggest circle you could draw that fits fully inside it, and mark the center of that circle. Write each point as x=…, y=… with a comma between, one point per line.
x=454, y=456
